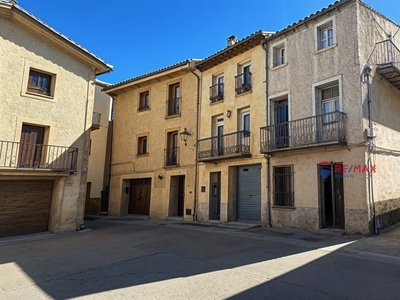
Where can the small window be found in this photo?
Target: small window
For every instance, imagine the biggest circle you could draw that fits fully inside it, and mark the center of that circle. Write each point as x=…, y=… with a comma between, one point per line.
x=283, y=186
x=325, y=32
x=144, y=100
x=39, y=83
x=279, y=55
x=142, y=145
x=326, y=37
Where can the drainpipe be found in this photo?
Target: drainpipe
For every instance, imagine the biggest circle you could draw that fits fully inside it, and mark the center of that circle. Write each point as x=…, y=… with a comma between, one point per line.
x=370, y=145
x=104, y=206
x=264, y=45
x=197, y=134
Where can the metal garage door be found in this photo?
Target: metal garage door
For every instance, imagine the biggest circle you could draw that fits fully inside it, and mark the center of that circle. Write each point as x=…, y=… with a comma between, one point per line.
x=24, y=206
x=249, y=193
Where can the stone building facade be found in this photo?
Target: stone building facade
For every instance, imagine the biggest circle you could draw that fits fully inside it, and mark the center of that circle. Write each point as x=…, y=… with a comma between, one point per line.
x=153, y=161
x=295, y=128
x=46, y=113
x=232, y=180
x=331, y=149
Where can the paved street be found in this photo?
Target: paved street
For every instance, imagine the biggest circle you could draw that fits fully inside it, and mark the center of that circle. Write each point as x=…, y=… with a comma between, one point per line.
x=130, y=258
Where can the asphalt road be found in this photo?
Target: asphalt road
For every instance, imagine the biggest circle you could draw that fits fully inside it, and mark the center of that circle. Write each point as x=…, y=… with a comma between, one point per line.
x=156, y=260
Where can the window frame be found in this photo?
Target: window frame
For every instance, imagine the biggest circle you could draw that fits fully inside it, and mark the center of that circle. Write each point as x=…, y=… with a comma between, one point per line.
x=278, y=59
x=143, y=145
x=326, y=26
x=218, y=87
x=34, y=90
x=172, y=149
x=317, y=89
x=144, y=103
x=242, y=122
x=174, y=100
x=244, y=84
x=287, y=184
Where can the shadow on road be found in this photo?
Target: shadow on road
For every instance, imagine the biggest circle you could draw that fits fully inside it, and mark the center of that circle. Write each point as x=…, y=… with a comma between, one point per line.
x=117, y=255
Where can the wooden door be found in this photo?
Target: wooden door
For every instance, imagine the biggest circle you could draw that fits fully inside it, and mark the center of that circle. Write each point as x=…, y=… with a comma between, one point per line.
x=31, y=143
x=139, y=198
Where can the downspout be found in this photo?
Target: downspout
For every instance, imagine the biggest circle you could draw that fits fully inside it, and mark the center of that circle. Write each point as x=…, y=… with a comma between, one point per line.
x=375, y=220
x=106, y=205
x=197, y=134
x=264, y=45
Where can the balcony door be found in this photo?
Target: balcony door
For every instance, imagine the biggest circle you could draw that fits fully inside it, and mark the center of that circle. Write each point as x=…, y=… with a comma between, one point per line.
x=30, y=149
x=245, y=127
x=172, y=151
x=220, y=82
x=246, y=75
x=174, y=96
x=330, y=104
x=218, y=140
x=281, y=124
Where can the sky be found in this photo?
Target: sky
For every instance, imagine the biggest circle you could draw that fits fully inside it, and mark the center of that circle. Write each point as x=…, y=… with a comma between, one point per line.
x=141, y=36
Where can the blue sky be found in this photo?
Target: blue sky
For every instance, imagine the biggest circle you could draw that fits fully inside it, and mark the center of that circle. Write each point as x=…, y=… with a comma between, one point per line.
x=140, y=36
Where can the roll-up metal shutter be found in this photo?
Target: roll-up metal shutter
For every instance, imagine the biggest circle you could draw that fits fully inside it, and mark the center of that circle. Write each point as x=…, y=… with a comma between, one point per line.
x=249, y=193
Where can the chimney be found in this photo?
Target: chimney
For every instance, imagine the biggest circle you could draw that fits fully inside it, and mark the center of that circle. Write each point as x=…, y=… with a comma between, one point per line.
x=232, y=40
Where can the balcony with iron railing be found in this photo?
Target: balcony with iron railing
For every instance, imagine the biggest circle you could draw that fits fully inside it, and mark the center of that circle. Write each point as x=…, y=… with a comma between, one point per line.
x=95, y=121
x=171, y=156
x=243, y=83
x=15, y=155
x=320, y=130
x=387, y=59
x=216, y=92
x=236, y=144
x=173, y=107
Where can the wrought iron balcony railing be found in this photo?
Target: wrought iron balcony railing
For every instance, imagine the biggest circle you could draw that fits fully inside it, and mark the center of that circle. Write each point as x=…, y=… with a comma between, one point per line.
x=311, y=131
x=216, y=92
x=171, y=156
x=227, y=145
x=173, y=107
x=386, y=52
x=243, y=83
x=387, y=58
x=96, y=120
x=23, y=155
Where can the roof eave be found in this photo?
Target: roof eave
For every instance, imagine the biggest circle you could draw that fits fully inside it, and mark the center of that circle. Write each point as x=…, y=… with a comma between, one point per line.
x=227, y=53
x=149, y=76
x=308, y=19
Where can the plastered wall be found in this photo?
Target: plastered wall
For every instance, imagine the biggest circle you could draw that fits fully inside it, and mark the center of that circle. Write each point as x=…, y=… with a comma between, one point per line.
x=130, y=124
x=255, y=102
x=65, y=115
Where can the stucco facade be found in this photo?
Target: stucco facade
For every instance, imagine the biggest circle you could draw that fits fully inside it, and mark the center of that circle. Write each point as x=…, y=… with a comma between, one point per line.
x=232, y=110
x=153, y=170
x=307, y=74
x=62, y=115
x=323, y=135
x=99, y=154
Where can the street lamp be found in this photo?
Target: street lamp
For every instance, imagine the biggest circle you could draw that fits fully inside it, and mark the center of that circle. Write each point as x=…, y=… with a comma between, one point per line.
x=185, y=136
